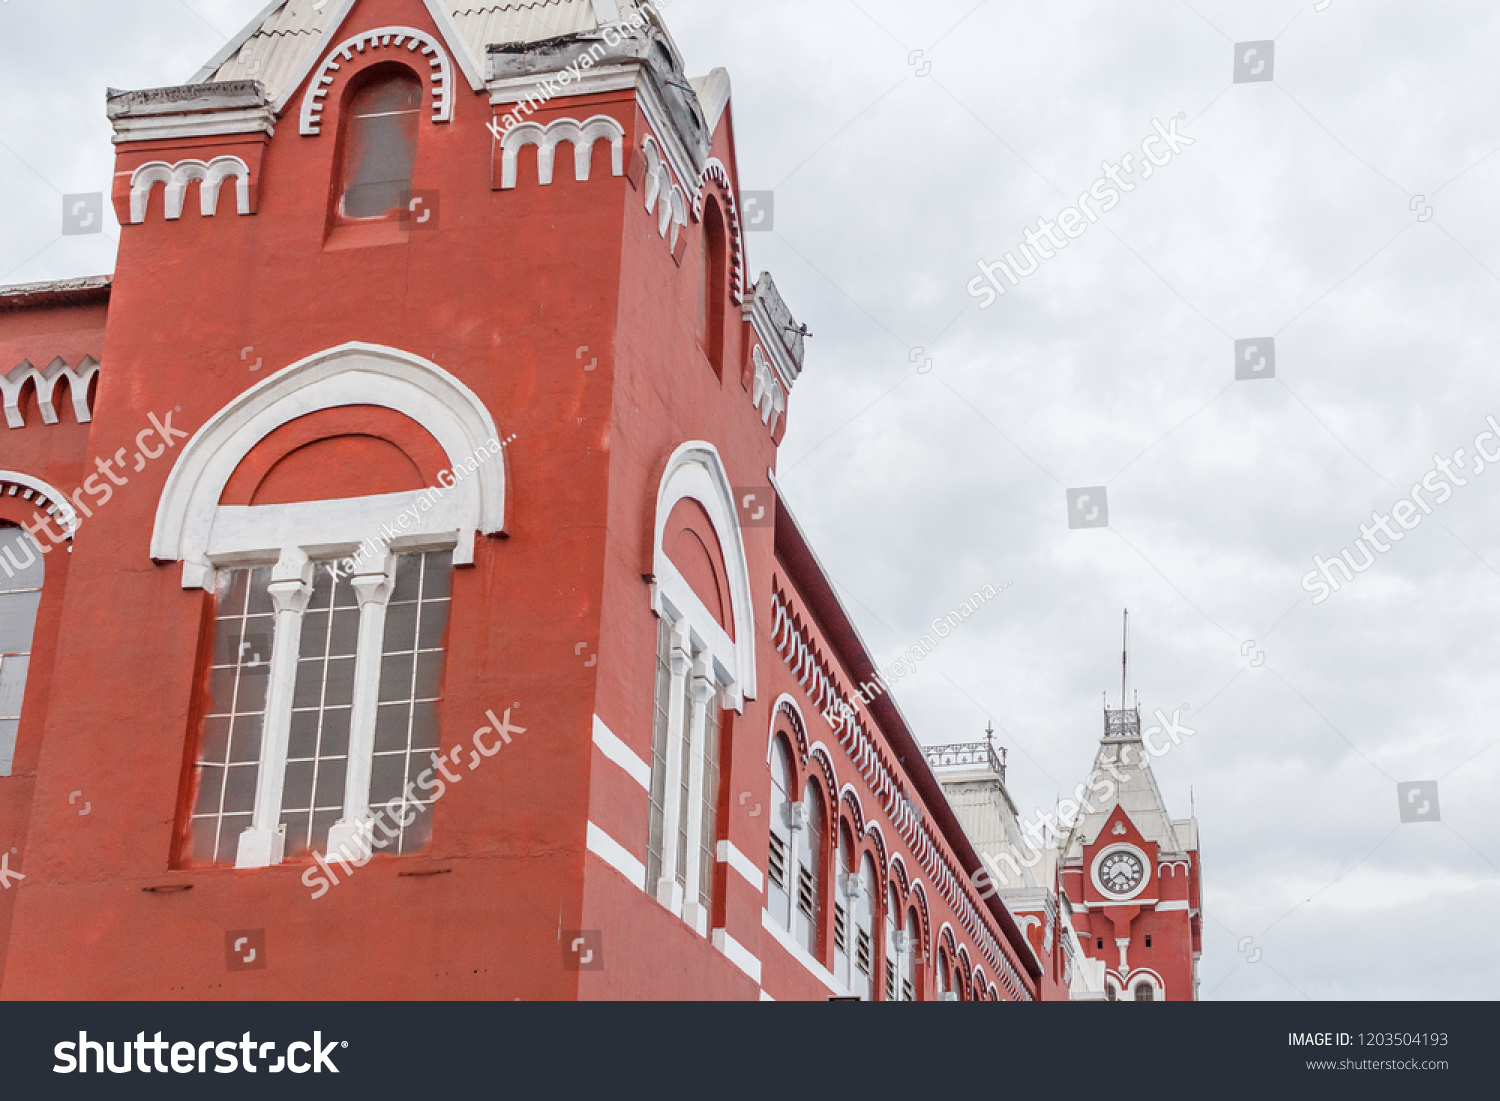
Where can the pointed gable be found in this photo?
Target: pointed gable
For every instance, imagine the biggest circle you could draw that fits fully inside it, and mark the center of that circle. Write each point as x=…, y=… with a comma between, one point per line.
x=1123, y=763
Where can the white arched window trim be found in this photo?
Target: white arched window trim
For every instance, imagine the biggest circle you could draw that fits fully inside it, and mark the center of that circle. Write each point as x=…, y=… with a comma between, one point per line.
x=695, y=471
x=193, y=528
x=1143, y=975
x=708, y=669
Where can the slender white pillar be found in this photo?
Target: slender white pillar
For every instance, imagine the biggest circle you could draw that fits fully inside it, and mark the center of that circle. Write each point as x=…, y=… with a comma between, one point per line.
x=264, y=842
x=668, y=891
x=372, y=586
x=702, y=691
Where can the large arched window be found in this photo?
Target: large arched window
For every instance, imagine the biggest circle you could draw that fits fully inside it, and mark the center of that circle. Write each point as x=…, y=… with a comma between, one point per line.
x=1145, y=992
x=713, y=285
x=809, y=854
x=21, y=573
x=384, y=108
x=944, y=979
x=318, y=708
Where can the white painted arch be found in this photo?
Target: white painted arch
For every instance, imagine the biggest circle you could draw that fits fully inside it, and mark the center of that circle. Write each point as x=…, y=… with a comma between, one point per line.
x=696, y=471
x=351, y=374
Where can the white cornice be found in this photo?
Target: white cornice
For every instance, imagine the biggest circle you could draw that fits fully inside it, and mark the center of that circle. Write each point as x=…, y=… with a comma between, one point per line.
x=626, y=75
x=205, y=124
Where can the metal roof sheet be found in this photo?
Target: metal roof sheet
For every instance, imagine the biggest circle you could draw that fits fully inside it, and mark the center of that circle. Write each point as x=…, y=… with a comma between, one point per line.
x=274, y=47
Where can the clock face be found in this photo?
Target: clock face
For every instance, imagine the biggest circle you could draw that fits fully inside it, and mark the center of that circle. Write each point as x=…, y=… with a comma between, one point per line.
x=1121, y=872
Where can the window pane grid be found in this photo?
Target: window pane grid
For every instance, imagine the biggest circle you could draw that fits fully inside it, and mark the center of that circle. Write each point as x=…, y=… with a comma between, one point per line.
x=411, y=668
x=318, y=749
x=228, y=758
x=659, y=734
x=707, y=858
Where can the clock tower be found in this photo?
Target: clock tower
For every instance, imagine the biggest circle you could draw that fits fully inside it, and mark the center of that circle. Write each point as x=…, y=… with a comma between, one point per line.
x=1131, y=873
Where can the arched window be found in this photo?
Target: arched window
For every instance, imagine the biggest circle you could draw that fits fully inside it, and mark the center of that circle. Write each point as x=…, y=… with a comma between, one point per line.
x=1145, y=992
x=944, y=981
x=317, y=710
x=713, y=285
x=1112, y=992
x=700, y=599
x=864, y=929
x=809, y=852
x=21, y=572
x=779, y=860
x=379, y=148
x=846, y=891
x=911, y=945
x=892, y=943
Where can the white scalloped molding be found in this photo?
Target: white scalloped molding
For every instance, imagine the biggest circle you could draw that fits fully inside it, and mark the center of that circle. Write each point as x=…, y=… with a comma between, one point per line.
x=767, y=394
x=547, y=138
x=663, y=196
x=715, y=171
x=51, y=500
x=381, y=38
x=46, y=379
x=210, y=175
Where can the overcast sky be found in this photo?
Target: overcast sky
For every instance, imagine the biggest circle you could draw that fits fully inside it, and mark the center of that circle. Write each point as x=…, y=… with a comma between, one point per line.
x=1340, y=209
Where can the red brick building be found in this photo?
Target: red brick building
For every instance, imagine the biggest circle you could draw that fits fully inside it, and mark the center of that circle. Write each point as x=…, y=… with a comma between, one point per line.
x=409, y=611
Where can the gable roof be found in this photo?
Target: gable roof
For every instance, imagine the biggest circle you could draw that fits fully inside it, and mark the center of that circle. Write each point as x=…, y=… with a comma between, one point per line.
x=1122, y=751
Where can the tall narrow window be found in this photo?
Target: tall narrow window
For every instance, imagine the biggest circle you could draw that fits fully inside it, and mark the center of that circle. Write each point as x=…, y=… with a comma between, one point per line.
x=846, y=894
x=228, y=763
x=864, y=930
x=714, y=286
x=809, y=872
x=911, y=942
x=944, y=982
x=21, y=572
x=411, y=675
x=317, y=756
x=892, y=943
x=660, y=732
x=708, y=834
x=682, y=840
x=380, y=141
x=779, y=860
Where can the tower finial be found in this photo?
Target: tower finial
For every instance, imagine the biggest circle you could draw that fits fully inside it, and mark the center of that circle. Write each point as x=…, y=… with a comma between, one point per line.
x=1125, y=661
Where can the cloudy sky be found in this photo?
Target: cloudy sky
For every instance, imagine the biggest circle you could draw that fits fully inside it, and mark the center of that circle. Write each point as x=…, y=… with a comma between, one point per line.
x=1338, y=209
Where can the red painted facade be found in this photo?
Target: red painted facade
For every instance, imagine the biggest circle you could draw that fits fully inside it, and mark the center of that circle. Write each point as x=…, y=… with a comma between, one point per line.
x=591, y=340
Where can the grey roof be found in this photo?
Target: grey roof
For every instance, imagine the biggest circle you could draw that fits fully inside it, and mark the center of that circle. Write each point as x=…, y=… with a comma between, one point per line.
x=275, y=47
x=1138, y=795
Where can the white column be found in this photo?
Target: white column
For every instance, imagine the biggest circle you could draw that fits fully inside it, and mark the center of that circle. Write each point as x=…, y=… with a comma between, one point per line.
x=702, y=691
x=264, y=842
x=668, y=890
x=1123, y=944
x=372, y=586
